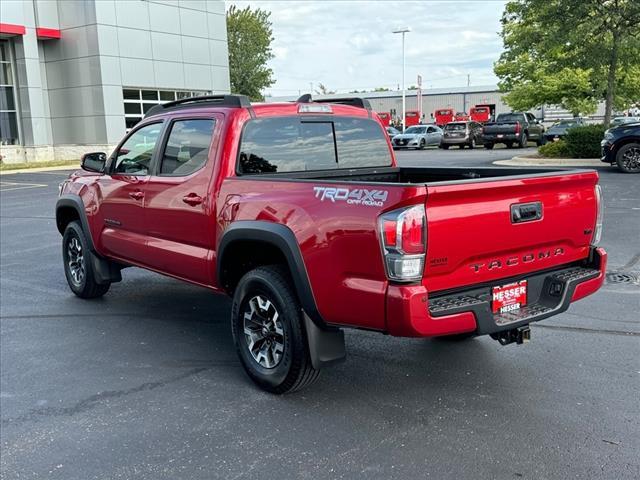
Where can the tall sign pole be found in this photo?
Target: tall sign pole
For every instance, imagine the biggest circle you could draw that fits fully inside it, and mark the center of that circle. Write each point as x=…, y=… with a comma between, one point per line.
x=419, y=97
x=404, y=99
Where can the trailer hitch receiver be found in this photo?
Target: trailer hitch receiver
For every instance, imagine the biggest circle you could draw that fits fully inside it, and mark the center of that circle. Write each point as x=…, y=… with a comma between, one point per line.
x=518, y=335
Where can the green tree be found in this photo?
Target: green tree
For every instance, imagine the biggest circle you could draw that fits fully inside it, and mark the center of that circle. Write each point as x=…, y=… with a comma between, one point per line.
x=572, y=53
x=323, y=90
x=249, y=36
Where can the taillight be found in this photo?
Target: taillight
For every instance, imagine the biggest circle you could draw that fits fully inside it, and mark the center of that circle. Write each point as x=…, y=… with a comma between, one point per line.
x=403, y=235
x=517, y=127
x=597, y=232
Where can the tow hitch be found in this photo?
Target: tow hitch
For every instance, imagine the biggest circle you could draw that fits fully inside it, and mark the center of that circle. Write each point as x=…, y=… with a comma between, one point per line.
x=518, y=335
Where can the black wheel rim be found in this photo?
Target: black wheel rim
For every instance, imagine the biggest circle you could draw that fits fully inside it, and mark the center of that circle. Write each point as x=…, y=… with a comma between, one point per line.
x=263, y=332
x=631, y=159
x=75, y=261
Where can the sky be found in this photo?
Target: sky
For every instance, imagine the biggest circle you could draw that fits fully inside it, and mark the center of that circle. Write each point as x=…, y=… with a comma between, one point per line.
x=348, y=45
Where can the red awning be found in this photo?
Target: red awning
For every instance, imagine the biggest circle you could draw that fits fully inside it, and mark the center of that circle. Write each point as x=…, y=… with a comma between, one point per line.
x=47, y=33
x=10, y=30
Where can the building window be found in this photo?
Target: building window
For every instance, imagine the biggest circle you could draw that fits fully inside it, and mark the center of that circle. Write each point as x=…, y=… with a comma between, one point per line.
x=137, y=102
x=8, y=115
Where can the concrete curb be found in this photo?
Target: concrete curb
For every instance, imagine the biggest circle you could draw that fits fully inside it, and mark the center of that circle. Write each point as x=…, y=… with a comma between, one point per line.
x=40, y=169
x=552, y=162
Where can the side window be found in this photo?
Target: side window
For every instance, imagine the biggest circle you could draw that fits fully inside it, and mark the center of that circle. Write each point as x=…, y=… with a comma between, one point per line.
x=187, y=147
x=134, y=156
x=431, y=130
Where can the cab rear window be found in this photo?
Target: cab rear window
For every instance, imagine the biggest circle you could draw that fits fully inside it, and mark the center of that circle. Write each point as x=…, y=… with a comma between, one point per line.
x=295, y=144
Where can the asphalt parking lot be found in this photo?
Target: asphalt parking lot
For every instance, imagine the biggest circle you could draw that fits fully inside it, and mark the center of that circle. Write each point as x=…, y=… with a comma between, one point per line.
x=145, y=383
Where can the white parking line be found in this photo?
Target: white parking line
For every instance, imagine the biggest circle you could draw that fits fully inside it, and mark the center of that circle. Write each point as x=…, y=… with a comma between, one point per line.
x=9, y=186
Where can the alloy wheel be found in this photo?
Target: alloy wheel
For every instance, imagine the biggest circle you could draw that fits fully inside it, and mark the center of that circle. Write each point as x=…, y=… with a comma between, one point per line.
x=631, y=159
x=264, y=332
x=75, y=260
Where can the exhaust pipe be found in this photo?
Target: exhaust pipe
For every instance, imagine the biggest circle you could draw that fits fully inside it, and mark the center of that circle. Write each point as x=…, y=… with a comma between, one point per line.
x=518, y=335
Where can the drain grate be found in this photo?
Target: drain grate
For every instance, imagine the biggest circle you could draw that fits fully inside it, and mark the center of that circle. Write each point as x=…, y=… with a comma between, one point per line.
x=623, y=277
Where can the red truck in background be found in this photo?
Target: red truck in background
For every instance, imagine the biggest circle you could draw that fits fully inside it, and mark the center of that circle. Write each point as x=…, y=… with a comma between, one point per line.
x=385, y=118
x=480, y=113
x=412, y=117
x=444, y=116
x=461, y=117
x=300, y=213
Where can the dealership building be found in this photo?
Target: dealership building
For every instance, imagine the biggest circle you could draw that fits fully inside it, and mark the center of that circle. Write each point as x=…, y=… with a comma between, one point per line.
x=76, y=74
x=459, y=99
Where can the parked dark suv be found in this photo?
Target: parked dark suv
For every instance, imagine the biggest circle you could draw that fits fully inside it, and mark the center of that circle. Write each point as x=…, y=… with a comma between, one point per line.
x=461, y=134
x=621, y=145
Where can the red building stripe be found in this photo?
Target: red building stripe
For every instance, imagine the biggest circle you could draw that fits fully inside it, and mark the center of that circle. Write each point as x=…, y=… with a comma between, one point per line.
x=45, y=33
x=11, y=29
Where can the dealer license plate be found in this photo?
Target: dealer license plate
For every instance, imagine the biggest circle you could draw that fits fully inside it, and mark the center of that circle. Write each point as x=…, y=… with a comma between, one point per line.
x=508, y=298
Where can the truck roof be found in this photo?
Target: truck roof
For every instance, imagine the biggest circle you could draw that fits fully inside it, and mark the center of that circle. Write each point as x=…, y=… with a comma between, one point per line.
x=304, y=105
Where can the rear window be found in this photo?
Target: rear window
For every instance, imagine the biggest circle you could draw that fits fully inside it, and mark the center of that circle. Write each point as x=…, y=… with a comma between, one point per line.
x=294, y=144
x=444, y=112
x=510, y=117
x=455, y=126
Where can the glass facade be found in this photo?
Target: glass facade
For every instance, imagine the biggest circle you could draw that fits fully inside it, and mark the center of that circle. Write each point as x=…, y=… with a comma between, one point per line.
x=8, y=116
x=138, y=101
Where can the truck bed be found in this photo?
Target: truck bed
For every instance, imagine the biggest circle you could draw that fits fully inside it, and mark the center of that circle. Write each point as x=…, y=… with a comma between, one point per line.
x=410, y=176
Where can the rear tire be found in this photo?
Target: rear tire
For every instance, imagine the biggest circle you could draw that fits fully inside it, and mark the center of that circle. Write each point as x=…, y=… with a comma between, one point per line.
x=268, y=332
x=540, y=141
x=472, y=144
x=522, y=142
x=628, y=158
x=444, y=146
x=461, y=146
x=78, y=268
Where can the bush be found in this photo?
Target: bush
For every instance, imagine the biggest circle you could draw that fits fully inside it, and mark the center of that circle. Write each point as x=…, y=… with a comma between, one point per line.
x=558, y=149
x=584, y=142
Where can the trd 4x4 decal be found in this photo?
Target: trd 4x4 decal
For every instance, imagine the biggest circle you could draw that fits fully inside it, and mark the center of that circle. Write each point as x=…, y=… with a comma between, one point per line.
x=357, y=196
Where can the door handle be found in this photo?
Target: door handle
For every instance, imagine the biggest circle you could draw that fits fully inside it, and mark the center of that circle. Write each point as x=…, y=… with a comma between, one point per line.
x=137, y=195
x=192, y=199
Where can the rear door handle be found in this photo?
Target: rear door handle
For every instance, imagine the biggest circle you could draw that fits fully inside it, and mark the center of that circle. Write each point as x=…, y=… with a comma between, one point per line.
x=192, y=199
x=137, y=195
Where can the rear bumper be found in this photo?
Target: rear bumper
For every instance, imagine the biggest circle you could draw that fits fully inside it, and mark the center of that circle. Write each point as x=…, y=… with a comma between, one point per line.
x=454, y=140
x=411, y=313
x=506, y=137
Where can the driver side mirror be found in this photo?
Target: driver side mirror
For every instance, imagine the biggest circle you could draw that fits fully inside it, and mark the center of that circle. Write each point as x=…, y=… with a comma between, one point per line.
x=94, y=162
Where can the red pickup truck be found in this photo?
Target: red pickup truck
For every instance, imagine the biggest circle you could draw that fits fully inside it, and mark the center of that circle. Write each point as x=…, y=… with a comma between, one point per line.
x=300, y=213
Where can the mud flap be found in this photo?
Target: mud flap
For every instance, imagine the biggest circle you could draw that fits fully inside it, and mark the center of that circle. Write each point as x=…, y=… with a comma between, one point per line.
x=326, y=347
x=104, y=271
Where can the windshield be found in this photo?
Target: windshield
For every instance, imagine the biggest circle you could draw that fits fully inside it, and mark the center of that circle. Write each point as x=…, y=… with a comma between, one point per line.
x=415, y=130
x=455, y=126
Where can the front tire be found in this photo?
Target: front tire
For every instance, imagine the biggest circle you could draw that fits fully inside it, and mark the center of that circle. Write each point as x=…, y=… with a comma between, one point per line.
x=472, y=144
x=628, y=158
x=78, y=268
x=267, y=327
x=422, y=145
x=444, y=146
x=488, y=146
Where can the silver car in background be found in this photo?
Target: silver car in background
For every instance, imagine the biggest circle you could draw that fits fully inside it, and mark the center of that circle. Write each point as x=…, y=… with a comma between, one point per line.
x=418, y=136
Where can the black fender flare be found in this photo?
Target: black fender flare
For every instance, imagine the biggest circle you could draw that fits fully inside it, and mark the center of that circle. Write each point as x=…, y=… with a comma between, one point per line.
x=283, y=239
x=76, y=203
x=326, y=343
x=105, y=271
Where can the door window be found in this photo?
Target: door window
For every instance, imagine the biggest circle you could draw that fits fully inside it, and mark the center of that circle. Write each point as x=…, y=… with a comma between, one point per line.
x=134, y=156
x=187, y=148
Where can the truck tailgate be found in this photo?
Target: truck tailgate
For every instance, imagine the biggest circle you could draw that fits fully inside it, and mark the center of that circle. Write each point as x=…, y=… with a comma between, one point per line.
x=481, y=231
x=499, y=128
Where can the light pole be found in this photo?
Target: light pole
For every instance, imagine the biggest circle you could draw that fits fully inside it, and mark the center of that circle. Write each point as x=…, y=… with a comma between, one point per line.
x=404, y=99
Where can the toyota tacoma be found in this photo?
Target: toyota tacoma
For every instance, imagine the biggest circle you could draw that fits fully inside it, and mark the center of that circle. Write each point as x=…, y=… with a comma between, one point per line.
x=299, y=212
